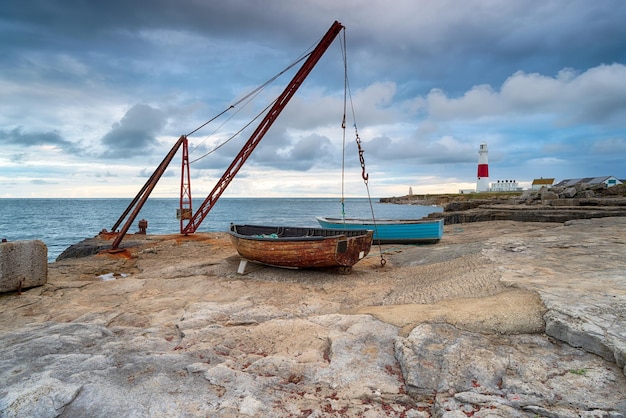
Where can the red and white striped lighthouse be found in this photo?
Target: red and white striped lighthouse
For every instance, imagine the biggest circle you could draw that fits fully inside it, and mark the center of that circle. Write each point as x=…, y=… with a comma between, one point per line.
x=482, y=183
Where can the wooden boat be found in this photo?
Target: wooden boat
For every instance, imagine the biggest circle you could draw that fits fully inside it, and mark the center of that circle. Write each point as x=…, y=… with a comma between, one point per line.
x=388, y=231
x=301, y=247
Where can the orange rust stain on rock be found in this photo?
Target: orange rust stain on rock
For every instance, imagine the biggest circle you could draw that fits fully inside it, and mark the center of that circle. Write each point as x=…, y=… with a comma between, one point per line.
x=118, y=253
x=122, y=254
x=107, y=235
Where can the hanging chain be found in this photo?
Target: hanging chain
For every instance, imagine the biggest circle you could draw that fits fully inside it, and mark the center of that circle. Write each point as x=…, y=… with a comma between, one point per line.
x=346, y=95
x=365, y=180
x=361, y=158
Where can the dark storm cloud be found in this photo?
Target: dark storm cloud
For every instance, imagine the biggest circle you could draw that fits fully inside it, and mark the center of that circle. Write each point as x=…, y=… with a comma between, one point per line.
x=117, y=43
x=307, y=152
x=42, y=182
x=274, y=150
x=486, y=42
x=417, y=151
x=17, y=136
x=414, y=41
x=233, y=18
x=135, y=133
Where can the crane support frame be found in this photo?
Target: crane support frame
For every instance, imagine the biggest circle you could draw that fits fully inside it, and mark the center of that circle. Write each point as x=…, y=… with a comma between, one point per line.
x=186, y=209
x=141, y=197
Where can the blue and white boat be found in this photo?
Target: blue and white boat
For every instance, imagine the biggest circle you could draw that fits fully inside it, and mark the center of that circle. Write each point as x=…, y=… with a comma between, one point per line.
x=392, y=231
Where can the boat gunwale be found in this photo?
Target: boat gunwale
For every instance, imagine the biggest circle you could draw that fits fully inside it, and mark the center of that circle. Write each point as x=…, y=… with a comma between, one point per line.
x=340, y=233
x=370, y=221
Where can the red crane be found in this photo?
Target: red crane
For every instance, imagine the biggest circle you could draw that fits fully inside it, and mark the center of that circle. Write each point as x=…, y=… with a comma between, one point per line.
x=185, y=200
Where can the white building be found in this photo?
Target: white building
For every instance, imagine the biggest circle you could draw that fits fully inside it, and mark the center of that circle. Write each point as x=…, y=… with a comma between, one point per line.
x=505, y=186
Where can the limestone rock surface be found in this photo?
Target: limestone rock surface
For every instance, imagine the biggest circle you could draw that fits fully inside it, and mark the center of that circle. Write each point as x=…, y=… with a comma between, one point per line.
x=499, y=319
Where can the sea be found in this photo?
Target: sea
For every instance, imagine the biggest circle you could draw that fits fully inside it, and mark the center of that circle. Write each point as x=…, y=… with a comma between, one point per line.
x=60, y=223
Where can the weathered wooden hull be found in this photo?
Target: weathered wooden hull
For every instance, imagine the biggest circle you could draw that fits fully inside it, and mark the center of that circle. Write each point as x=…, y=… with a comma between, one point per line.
x=388, y=231
x=296, y=247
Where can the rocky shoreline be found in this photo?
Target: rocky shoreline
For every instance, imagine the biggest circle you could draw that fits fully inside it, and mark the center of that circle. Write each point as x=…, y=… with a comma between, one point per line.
x=544, y=205
x=500, y=319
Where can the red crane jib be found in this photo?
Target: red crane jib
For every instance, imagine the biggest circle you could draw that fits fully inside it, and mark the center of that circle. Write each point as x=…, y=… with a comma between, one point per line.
x=262, y=129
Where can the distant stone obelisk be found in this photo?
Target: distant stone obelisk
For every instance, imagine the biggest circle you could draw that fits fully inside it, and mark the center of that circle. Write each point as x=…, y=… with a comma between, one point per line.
x=482, y=183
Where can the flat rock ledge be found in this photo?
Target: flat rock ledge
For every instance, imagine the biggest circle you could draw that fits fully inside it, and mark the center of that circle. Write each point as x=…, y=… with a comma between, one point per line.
x=500, y=319
x=502, y=211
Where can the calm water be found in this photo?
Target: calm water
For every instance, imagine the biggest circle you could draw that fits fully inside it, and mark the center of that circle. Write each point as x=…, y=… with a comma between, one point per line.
x=63, y=222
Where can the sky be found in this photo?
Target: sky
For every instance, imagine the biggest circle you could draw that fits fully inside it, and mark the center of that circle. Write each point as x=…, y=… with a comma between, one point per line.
x=93, y=95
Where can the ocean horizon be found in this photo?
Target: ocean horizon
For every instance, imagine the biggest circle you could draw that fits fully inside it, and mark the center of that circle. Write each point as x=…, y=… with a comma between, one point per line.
x=61, y=222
